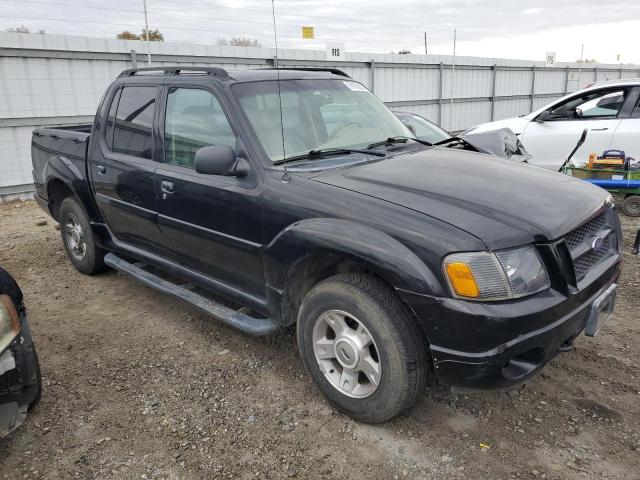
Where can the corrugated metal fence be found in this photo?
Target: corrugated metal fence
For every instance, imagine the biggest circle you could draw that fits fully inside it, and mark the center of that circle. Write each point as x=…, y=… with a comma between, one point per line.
x=58, y=80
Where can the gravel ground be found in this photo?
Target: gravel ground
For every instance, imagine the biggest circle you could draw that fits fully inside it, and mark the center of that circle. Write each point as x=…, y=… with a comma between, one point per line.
x=137, y=385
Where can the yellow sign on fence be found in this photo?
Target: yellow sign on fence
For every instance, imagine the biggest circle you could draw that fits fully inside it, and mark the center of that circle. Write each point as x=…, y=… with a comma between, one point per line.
x=308, y=32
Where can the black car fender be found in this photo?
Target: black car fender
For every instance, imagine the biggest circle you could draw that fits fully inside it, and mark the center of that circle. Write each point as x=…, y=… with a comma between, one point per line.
x=292, y=255
x=63, y=177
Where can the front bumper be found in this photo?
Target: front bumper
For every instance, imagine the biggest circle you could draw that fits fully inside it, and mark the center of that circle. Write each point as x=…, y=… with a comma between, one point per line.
x=20, y=383
x=486, y=346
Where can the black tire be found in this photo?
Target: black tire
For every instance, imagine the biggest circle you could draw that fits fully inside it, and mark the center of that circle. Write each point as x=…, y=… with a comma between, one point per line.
x=91, y=261
x=401, y=348
x=631, y=206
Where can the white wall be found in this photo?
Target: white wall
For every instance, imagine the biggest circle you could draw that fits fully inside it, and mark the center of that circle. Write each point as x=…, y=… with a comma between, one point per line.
x=57, y=80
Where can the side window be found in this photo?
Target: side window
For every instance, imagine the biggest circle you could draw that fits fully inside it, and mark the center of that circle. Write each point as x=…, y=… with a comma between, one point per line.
x=598, y=104
x=111, y=120
x=194, y=119
x=134, y=122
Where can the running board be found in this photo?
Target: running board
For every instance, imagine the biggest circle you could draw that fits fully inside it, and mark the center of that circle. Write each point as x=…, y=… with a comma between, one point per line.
x=233, y=318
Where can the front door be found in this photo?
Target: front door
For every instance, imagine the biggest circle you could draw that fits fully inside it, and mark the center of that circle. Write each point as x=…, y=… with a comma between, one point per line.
x=122, y=167
x=551, y=142
x=210, y=223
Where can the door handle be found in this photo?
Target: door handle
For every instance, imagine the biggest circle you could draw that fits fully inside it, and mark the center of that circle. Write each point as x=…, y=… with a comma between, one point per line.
x=599, y=129
x=101, y=169
x=166, y=186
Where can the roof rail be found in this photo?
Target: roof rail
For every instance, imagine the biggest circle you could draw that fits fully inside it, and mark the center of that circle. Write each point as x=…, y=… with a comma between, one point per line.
x=176, y=70
x=335, y=71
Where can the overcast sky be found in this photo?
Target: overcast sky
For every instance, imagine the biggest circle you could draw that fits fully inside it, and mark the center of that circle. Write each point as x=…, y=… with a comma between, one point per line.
x=494, y=28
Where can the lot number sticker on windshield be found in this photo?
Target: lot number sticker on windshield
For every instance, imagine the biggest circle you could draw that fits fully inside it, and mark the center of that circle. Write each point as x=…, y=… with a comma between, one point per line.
x=356, y=87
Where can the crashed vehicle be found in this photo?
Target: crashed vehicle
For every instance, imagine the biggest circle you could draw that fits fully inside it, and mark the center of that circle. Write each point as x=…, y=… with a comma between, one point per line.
x=501, y=142
x=20, y=382
x=300, y=199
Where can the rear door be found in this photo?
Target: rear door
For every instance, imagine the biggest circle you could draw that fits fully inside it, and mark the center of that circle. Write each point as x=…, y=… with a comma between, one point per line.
x=210, y=223
x=122, y=167
x=551, y=142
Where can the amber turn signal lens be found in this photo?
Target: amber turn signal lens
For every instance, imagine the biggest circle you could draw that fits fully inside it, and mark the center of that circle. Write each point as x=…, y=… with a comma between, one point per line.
x=9, y=322
x=462, y=280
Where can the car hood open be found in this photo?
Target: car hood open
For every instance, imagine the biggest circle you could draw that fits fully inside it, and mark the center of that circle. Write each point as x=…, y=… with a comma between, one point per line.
x=502, y=203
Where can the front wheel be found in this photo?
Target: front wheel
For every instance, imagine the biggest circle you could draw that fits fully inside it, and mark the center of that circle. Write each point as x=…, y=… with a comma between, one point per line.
x=631, y=206
x=362, y=347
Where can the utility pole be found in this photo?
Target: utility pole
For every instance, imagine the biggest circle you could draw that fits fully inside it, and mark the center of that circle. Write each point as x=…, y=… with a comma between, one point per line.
x=453, y=72
x=425, y=43
x=580, y=66
x=146, y=31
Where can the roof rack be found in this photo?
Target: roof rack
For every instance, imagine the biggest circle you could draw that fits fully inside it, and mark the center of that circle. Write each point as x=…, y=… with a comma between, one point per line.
x=177, y=70
x=335, y=71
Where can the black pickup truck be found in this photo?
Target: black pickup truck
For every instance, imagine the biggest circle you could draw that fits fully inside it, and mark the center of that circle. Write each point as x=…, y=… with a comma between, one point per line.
x=300, y=199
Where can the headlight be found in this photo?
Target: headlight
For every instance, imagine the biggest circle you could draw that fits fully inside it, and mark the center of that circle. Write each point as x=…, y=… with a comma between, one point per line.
x=9, y=322
x=501, y=275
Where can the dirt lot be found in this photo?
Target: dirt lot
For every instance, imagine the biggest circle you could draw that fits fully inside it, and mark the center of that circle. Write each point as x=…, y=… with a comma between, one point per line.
x=140, y=386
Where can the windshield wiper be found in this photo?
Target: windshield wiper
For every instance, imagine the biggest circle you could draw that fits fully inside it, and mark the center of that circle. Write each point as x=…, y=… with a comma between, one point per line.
x=398, y=139
x=327, y=152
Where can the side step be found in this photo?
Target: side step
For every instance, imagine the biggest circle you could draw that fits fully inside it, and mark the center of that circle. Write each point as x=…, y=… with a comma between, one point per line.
x=233, y=318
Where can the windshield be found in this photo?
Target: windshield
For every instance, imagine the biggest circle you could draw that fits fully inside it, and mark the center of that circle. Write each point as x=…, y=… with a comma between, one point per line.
x=317, y=114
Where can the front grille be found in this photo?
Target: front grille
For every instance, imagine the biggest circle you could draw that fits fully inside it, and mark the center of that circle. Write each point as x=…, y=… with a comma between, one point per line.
x=581, y=244
x=585, y=231
x=583, y=263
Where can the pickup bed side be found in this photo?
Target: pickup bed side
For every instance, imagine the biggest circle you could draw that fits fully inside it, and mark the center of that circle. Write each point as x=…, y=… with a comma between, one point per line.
x=59, y=157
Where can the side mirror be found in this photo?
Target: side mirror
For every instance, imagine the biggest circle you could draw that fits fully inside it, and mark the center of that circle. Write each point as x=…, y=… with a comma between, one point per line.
x=215, y=160
x=544, y=117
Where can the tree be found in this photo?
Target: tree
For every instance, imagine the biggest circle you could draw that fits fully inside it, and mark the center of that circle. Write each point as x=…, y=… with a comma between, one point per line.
x=23, y=29
x=127, y=35
x=586, y=60
x=404, y=51
x=239, y=42
x=154, y=35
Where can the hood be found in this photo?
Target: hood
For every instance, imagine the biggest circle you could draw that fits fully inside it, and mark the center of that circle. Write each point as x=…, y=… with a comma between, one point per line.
x=502, y=203
x=516, y=124
x=501, y=143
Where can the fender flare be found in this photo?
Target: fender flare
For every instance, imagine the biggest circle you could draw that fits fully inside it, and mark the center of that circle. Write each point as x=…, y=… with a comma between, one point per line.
x=60, y=168
x=379, y=252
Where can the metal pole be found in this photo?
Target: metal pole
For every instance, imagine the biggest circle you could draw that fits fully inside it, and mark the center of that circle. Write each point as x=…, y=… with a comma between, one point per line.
x=493, y=91
x=566, y=81
x=146, y=30
x=580, y=67
x=372, y=75
x=453, y=72
x=425, y=43
x=440, y=89
x=533, y=87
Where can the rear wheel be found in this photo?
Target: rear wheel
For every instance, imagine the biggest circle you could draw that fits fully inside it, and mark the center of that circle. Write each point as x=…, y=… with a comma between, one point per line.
x=631, y=206
x=78, y=238
x=362, y=347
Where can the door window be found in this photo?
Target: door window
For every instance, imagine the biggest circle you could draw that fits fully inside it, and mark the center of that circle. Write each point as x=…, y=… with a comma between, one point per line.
x=134, y=122
x=598, y=104
x=194, y=119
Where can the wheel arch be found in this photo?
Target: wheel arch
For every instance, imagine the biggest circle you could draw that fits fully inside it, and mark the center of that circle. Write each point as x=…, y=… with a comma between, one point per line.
x=311, y=250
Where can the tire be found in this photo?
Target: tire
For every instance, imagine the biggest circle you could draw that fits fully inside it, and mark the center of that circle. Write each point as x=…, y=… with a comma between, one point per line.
x=631, y=206
x=78, y=238
x=397, y=347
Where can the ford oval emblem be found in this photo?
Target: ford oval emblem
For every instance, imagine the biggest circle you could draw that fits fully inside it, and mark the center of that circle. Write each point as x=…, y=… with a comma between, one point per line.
x=597, y=243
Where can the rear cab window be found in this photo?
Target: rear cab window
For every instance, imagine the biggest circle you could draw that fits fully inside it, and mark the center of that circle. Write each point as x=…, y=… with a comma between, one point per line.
x=133, y=121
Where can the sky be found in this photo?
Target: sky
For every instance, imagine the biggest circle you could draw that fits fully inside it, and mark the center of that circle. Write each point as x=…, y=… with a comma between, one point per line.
x=519, y=29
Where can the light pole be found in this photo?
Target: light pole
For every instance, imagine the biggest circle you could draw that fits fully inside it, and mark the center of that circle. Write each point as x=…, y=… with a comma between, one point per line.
x=146, y=31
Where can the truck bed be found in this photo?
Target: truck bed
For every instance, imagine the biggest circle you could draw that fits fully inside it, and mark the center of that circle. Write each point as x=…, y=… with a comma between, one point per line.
x=69, y=143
